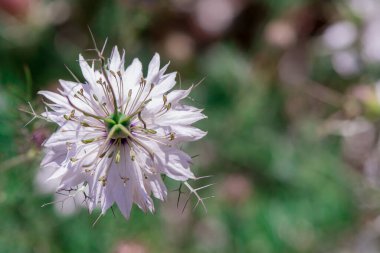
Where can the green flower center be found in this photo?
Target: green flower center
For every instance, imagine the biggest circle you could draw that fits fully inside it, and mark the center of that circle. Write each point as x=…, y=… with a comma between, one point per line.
x=115, y=120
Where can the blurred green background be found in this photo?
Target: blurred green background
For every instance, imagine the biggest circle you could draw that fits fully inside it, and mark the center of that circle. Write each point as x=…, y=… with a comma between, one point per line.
x=292, y=97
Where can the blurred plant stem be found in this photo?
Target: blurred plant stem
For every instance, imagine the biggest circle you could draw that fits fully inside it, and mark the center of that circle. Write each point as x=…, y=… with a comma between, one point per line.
x=18, y=160
x=29, y=82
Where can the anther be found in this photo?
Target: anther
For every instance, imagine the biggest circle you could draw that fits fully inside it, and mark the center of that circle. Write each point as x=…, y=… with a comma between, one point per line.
x=69, y=145
x=88, y=141
x=132, y=154
x=84, y=124
x=103, y=180
x=150, y=131
x=117, y=158
x=125, y=179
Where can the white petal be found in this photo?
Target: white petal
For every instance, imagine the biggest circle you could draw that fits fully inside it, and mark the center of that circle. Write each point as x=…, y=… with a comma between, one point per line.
x=115, y=60
x=177, y=95
x=123, y=186
x=132, y=75
x=58, y=173
x=68, y=86
x=157, y=103
x=169, y=160
x=53, y=159
x=141, y=197
x=158, y=187
x=179, y=117
x=55, y=98
x=164, y=85
x=87, y=71
x=187, y=133
x=153, y=69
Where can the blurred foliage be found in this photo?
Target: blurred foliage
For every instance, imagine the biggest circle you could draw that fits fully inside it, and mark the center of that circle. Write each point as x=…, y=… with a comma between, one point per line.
x=294, y=192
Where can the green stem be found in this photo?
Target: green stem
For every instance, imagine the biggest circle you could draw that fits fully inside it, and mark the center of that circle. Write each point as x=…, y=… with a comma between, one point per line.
x=18, y=160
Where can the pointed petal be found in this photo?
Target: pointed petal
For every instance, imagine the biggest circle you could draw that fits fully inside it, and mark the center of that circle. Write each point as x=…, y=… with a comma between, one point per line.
x=115, y=60
x=153, y=69
x=87, y=71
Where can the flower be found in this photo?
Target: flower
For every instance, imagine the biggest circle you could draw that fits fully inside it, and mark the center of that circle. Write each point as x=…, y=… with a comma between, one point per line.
x=120, y=132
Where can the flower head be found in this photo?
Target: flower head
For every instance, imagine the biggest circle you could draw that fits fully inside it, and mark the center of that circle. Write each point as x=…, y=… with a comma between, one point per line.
x=119, y=132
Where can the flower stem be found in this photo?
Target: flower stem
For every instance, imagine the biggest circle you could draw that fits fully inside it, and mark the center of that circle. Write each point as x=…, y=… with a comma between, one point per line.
x=18, y=160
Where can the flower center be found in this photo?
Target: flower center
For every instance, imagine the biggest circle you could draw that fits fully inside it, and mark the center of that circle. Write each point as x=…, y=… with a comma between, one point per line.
x=114, y=121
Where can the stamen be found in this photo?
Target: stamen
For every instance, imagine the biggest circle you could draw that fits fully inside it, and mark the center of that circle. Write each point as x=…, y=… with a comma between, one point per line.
x=84, y=124
x=103, y=85
x=144, y=101
x=69, y=145
x=109, y=85
x=118, y=86
x=144, y=130
x=103, y=180
x=152, y=139
x=151, y=131
x=88, y=141
x=126, y=131
x=128, y=99
x=137, y=111
x=164, y=107
x=85, y=113
x=84, y=101
x=121, y=85
x=73, y=159
x=105, y=176
x=106, y=142
x=117, y=158
x=104, y=108
x=140, y=118
x=69, y=117
x=132, y=153
x=136, y=98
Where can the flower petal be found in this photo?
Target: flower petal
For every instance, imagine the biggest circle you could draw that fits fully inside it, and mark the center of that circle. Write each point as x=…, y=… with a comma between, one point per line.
x=87, y=71
x=115, y=60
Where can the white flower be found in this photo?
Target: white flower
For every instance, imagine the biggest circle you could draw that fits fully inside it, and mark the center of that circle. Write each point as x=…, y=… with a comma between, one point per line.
x=120, y=132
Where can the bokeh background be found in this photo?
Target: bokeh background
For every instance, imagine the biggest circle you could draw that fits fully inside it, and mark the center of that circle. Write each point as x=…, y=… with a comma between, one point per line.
x=292, y=91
